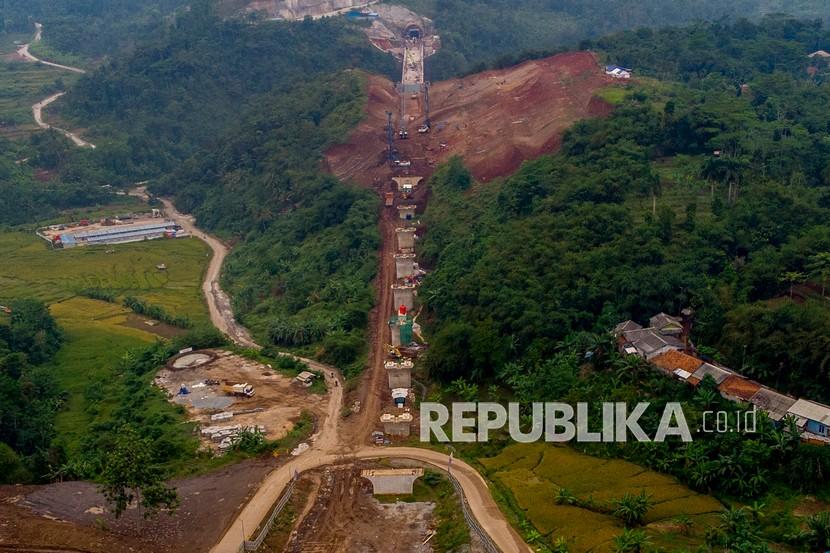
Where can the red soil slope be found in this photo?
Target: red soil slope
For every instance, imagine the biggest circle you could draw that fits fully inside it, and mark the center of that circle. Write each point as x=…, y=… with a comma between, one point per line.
x=494, y=120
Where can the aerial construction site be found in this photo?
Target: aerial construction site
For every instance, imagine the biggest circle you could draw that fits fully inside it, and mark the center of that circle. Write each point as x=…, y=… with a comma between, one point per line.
x=337, y=483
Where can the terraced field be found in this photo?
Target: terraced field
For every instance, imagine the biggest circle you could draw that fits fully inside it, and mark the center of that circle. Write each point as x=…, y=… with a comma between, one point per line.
x=30, y=268
x=534, y=473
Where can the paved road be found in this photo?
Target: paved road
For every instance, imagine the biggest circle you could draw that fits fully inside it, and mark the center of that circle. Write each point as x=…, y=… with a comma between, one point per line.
x=37, y=109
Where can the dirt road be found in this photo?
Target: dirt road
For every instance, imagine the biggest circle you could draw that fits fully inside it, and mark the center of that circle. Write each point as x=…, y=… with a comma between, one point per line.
x=37, y=113
x=23, y=51
x=37, y=109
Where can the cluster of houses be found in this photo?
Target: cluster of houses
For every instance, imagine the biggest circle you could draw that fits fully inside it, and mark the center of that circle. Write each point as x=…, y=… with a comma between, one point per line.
x=666, y=346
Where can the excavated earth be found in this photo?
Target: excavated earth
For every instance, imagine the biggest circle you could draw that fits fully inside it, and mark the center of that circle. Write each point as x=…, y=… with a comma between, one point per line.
x=494, y=120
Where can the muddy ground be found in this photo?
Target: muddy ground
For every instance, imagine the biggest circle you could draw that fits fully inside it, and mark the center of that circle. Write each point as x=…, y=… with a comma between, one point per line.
x=72, y=515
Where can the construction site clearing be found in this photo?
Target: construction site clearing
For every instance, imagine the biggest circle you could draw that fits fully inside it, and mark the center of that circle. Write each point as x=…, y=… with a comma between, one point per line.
x=227, y=394
x=494, y=120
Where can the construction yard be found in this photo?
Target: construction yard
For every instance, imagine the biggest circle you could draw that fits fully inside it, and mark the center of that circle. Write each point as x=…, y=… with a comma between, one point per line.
x=203, y=382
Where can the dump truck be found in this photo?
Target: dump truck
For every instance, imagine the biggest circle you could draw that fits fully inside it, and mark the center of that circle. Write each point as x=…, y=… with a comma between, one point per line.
x=390, y=199
x=238, y=390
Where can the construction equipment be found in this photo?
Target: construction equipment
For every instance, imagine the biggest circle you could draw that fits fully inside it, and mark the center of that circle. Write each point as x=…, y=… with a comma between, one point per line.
x=238, y=390
x=393, y=351
x=390, y=199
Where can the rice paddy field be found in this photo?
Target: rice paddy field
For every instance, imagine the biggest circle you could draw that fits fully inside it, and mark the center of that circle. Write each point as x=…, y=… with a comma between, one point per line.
x=96, y=333
x=30, y=268
x=534, y=473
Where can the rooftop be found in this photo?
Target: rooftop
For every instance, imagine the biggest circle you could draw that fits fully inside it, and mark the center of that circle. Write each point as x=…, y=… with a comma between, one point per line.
x=736, y=386
x=718, y=373
x=811, y=410
x=672, y=360
x=774, y=403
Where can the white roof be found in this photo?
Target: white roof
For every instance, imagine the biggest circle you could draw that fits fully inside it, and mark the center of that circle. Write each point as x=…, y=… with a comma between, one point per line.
x=682, y=374
x=400, y=392
x=810, y=410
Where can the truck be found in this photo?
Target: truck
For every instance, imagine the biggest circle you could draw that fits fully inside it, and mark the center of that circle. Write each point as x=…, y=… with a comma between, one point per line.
x=238, y=390
x=423, y=129
x=390, y=199
x=403, y=163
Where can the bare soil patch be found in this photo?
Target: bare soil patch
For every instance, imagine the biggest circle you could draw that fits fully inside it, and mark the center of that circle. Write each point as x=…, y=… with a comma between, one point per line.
x=276, y=405
x=73, y=515
x=494, y=120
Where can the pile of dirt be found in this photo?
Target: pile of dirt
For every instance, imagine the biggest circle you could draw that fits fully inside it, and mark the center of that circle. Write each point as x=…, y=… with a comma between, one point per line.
x=494, y=120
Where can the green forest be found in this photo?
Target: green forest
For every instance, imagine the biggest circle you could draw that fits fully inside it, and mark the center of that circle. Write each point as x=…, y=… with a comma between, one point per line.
x=29, y=397
x=301, y=277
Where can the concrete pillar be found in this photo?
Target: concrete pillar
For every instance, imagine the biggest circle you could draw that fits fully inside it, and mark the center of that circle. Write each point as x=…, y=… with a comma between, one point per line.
x=392, y=481
x=403, y=294
x=396, y=425
x=404, y=265
x=399, y=373
x=406, y=238
x=396, y=331
x=407, y=212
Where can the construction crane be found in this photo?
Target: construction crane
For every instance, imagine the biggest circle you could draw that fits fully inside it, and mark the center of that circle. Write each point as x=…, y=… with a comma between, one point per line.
x=390, y=137
x=423, y=129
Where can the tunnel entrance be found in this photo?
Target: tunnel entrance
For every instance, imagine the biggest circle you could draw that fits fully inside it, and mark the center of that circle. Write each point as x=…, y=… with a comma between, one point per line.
x=414, y=32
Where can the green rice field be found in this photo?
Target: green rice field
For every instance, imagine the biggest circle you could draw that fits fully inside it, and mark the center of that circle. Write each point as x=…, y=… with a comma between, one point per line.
x=533, y=474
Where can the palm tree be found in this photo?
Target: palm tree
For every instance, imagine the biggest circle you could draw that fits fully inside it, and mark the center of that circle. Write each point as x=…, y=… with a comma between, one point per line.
x=792, y=278
x=819, y=266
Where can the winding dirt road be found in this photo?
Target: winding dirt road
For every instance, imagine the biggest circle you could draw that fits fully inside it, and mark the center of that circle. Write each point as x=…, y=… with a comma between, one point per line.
x=37, y=109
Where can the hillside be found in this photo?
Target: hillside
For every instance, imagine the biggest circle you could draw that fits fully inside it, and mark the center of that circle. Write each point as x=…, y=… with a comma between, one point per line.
x=494, y=120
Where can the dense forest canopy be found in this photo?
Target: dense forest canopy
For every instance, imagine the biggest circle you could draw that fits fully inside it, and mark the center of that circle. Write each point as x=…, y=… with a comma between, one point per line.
x=29, y=399
x=93, y=28
x=152, y=109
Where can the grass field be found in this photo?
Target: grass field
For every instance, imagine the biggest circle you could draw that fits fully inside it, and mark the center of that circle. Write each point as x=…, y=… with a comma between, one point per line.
x=31, y=269
x=533, y=473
